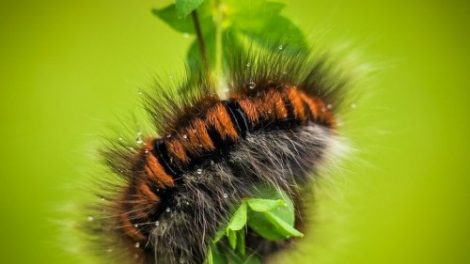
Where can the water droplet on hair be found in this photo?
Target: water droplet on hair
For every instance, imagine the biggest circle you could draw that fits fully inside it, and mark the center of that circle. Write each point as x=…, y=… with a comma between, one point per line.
x=109, y=250
x=136, y=225
x=136, y=256
x=252, y=85
x=168, y=136
x=157, y=223
x=199, y=171
x=329, y=106
x=185, y=136
x=225, y=195
x=248, y=65
x=281, y=47
x=168, y=210
x=120, y=139
x=137, y=245
x=146, y=151
x=90, y=218
x=182, y=260
x=212, y=162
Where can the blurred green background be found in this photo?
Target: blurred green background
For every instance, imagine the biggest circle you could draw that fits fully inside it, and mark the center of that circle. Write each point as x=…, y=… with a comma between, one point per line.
x=69, y=68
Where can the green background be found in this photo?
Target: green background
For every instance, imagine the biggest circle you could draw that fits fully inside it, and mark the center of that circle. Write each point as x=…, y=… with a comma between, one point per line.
x=68, y=69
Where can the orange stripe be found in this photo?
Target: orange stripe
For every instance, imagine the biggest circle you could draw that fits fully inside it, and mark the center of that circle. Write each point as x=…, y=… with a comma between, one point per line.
x=125, y=223
x=176, y=149
x=250, y=110
x=197, y=138
x=145, y=190
x=220, y=120
x=277, y=104
x=296, y=102
x=203, y=135
x=311, y=105
x=155, y=169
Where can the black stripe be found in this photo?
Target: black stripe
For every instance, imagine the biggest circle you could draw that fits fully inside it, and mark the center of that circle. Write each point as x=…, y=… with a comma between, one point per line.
x=307, y=111
x=160, y=151
x=238, y=116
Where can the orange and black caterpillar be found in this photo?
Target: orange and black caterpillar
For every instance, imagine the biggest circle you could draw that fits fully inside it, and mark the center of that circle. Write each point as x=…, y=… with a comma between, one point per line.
x=274, y=128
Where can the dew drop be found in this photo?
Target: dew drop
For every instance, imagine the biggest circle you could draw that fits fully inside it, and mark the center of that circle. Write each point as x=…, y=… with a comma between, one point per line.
x=248, y=65
x=225, y=195
x=120, y=139
x=157, y=223
x=137, y=245
x=199, y=171
x=353, y=105
x=281, y=47
x=185, y=35
x=329, y=106
x=109, y=250
x=90, y=218
x=252, y=85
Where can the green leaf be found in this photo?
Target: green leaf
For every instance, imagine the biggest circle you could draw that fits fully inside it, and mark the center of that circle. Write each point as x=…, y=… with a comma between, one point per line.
x=214, y=255
x=232, y=238
x=219, y=235
x=238, y=220
x=253, y=19
x=168, y=15
x=185, y=7
x=241, y=247
x=264, y=205
x=263, y=226
x=284, y=228
x=278, y=223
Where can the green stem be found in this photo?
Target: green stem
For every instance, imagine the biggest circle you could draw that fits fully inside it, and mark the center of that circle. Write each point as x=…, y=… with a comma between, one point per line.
x=200, y=40
x=218, y=21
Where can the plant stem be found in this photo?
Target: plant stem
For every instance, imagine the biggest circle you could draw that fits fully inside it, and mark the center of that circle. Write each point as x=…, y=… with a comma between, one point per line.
x=219, y=18
x=200, y=40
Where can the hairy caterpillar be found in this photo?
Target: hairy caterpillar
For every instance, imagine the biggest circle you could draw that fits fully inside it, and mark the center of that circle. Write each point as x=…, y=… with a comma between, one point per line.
x=274, y=127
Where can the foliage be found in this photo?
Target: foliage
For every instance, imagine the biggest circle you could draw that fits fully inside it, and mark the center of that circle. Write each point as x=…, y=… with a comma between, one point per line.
x=238, y=23
x=271, y=215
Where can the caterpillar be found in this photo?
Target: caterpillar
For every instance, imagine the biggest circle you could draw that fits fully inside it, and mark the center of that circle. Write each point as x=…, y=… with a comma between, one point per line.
x=275, y=126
